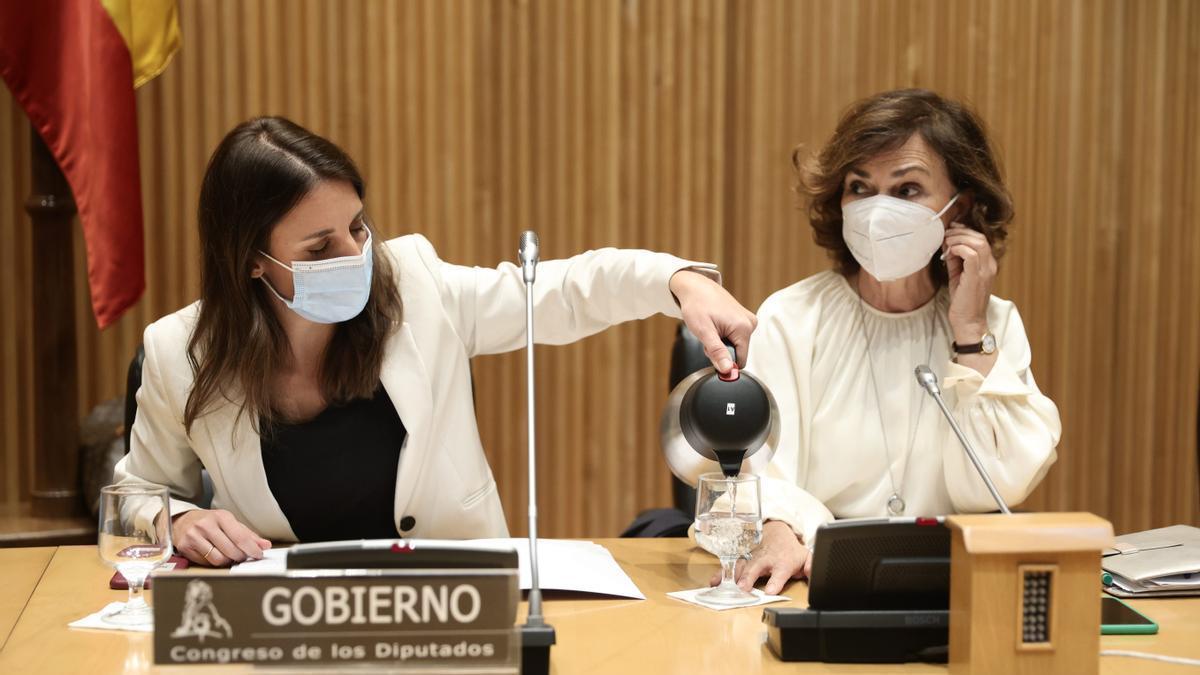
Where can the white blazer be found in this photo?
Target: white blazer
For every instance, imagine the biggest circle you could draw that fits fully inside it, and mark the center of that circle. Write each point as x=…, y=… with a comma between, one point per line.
x=451, y=313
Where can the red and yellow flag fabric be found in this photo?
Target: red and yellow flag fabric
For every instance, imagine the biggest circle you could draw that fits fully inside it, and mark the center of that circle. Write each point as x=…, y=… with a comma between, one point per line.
x=73, y=65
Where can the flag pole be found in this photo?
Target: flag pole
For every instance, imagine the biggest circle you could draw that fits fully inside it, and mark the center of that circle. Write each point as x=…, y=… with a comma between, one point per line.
x=51, y=207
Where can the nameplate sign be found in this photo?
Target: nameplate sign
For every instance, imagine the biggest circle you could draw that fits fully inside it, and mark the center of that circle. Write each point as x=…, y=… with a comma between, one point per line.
x=453, y=619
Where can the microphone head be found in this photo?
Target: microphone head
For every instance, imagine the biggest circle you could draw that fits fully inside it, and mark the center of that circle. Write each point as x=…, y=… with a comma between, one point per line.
x=528, y=248
x=927, y=380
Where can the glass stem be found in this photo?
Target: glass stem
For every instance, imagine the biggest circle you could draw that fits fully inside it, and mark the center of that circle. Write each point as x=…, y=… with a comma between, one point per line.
x=136, y=598
x=729, y=571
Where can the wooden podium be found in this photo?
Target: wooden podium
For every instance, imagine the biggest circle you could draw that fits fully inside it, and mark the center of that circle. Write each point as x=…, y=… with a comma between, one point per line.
x=1024, y=593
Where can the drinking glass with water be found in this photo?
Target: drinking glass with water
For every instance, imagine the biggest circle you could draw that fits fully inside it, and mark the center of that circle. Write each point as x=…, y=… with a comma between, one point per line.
x=728, y=525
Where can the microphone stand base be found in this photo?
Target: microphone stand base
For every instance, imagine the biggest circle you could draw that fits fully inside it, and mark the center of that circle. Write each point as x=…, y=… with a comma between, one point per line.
x=535, y=649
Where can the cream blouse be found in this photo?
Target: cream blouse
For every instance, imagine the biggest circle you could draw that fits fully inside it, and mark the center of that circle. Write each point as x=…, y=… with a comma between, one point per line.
x=810, y=349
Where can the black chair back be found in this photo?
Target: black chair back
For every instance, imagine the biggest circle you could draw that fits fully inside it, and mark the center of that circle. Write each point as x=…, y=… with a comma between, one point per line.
x=687, y=356
x=133, y=381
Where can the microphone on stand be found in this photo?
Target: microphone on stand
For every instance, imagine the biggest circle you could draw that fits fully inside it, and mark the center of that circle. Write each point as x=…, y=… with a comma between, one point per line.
x=537, y=636
x=929, y=382
x=527, y=251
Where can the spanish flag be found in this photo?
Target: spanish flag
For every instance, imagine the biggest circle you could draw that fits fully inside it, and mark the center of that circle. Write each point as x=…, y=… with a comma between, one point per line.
x=73, y=66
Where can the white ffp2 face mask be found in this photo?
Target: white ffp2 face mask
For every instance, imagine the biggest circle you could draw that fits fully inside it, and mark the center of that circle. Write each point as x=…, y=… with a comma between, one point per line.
x=892, y=238
x=329, y=291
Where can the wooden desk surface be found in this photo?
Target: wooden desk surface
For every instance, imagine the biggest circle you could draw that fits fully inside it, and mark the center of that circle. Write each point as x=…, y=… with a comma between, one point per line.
x=656, y=635
x=21, y=569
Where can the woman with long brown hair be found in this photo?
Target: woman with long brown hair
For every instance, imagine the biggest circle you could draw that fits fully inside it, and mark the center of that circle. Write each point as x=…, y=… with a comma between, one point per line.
x=908, y=199
x=323, y=378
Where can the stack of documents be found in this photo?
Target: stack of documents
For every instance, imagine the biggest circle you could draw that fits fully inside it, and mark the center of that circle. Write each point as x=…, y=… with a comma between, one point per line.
x=1162, y=562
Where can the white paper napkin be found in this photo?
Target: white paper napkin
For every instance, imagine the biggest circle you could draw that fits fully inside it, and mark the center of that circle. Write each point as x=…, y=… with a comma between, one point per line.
x=690, y=596
x=95, y=621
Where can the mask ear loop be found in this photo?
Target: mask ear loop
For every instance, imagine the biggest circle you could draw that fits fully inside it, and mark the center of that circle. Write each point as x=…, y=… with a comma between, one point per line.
x=939, y=213
x=268, y=257
x=946, y=208
x=275, y=292
x=263, y=278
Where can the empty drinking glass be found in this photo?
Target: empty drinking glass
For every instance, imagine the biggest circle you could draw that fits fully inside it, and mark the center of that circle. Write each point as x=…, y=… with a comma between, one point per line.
x=134, y=537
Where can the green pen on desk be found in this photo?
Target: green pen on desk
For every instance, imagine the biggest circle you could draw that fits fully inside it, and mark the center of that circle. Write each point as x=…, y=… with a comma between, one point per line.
x=1105, y=579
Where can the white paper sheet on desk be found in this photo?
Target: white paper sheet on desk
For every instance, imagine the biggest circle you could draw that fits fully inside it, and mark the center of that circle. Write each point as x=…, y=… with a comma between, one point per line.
x=1160, y=585
x=568, y=565
x=563, y=565
x=1191, y=580
x=274, y=561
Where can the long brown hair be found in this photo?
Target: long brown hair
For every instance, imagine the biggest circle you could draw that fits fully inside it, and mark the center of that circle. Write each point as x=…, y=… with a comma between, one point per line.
x=884, y=122
x=258, y=173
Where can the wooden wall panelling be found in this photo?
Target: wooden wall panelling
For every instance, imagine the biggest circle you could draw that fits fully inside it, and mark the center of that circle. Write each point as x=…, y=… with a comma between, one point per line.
x=669, y=125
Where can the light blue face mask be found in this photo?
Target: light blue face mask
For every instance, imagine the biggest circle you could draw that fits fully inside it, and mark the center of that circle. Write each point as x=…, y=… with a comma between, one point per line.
x=329, y=291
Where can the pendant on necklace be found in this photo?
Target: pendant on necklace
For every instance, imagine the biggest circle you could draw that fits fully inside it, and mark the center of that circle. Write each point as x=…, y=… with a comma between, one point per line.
x=895, y=505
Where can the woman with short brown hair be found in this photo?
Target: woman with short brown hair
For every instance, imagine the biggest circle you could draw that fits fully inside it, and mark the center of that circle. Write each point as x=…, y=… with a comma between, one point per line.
x=908, y=199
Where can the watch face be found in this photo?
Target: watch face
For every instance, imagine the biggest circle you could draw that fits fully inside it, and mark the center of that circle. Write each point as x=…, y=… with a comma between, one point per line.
x=989, y=343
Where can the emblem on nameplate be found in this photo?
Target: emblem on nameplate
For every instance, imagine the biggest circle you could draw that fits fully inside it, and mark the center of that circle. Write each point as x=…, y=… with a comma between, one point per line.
x=200, y=617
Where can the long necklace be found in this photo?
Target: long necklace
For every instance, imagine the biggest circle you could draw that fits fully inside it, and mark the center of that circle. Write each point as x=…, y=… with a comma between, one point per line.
x=895, y=503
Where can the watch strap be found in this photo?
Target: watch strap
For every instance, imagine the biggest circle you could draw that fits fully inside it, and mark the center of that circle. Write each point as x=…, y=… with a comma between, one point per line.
x=981, y=347
x=975, y=348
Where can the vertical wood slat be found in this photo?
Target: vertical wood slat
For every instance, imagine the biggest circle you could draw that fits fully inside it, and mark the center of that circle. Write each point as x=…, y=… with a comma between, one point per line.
x=669, y=126
x=16, y=388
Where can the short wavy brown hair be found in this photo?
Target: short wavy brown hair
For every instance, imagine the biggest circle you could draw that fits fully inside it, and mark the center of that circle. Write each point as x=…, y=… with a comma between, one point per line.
x=884, y=122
